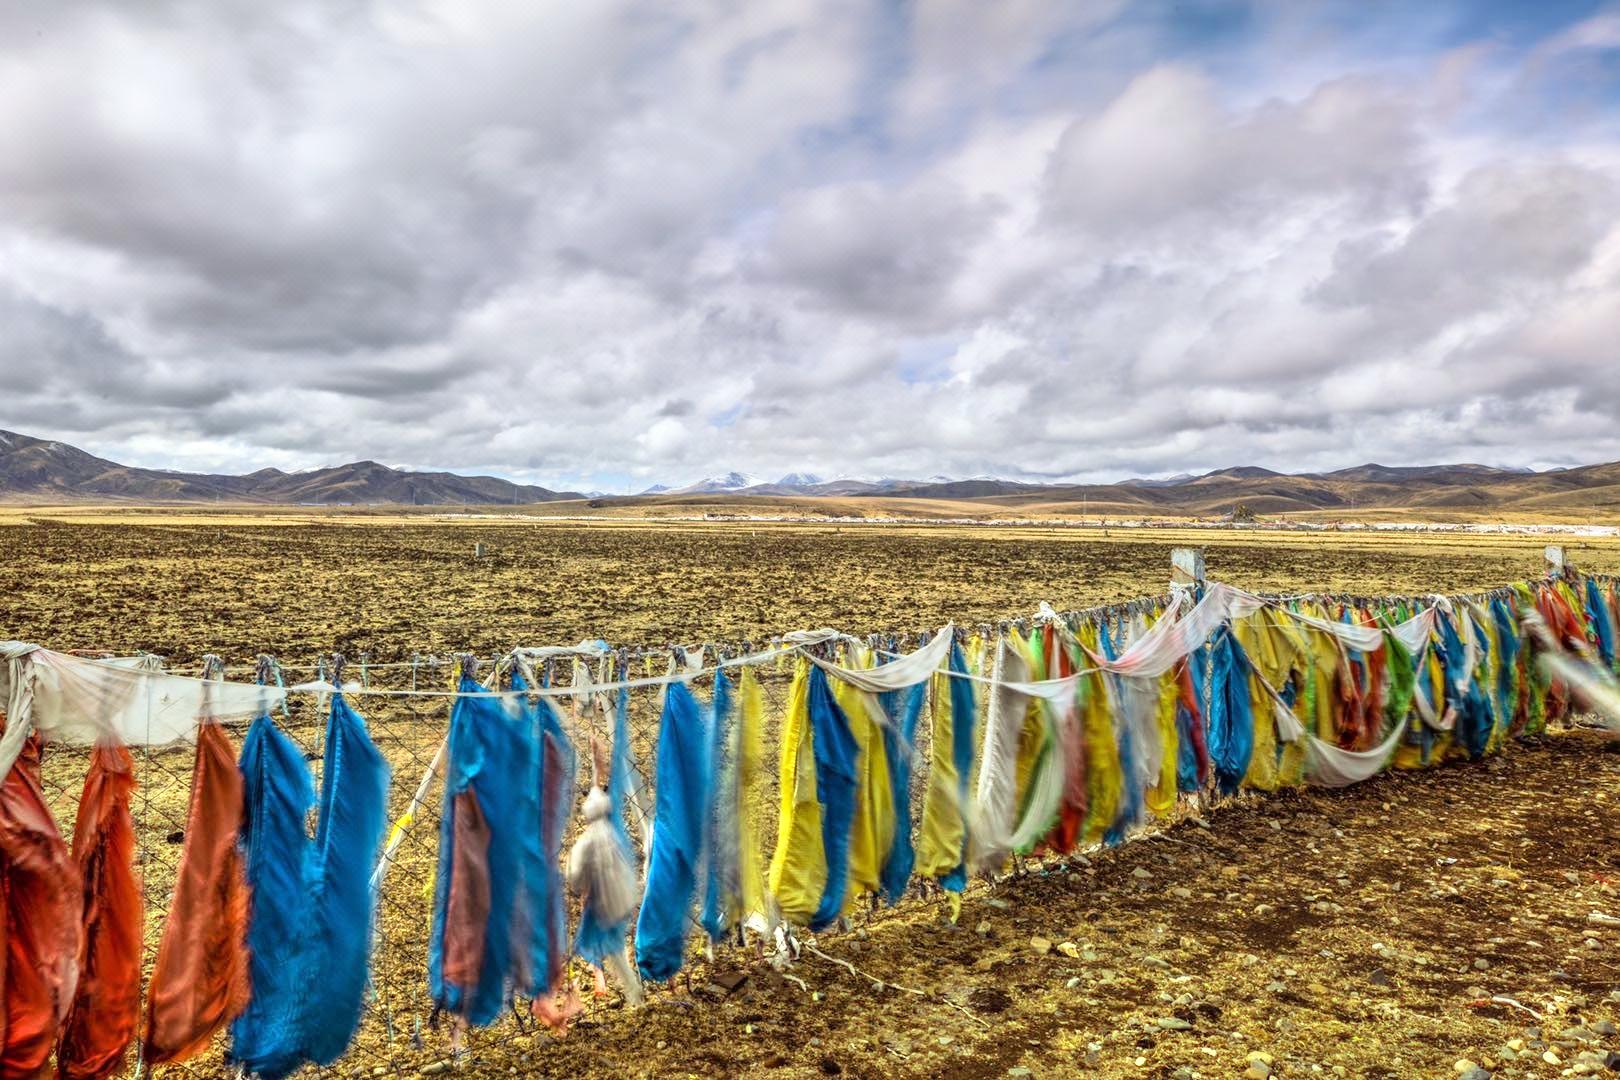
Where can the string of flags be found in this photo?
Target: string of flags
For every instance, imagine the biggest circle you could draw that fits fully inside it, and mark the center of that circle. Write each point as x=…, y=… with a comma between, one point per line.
x=1040, y=735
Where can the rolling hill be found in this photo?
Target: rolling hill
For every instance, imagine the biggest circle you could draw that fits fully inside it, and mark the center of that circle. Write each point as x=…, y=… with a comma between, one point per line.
x=1427, y=492
x=42, y=470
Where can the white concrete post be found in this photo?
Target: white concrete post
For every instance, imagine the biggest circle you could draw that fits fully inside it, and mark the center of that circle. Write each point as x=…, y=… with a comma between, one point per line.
x=1554, y=555
x=1186, y=566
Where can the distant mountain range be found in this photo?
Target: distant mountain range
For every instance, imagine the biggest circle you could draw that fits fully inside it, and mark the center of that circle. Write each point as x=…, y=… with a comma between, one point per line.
x=1464, y=490
x=738, y=483
x=41, y=470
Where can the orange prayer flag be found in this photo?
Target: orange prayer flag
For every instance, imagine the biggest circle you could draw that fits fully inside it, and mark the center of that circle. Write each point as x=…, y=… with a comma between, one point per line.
x=107, y=1006
x=39, y=888
x=200, y=981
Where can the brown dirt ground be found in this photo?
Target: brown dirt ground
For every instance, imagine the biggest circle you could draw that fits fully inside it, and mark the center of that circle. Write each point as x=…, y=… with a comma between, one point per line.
x=1354, y=931
x=181, y=584
x=1534, y=833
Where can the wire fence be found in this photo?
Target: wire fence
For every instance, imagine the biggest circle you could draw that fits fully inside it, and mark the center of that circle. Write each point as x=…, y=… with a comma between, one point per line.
x=398, y=1034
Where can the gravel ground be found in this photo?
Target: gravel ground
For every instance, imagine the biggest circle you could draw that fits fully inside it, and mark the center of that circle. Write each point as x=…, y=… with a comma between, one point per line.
x=1373, y=932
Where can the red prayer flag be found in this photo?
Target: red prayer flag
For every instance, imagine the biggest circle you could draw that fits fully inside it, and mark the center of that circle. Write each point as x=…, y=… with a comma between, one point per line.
x=39, y=887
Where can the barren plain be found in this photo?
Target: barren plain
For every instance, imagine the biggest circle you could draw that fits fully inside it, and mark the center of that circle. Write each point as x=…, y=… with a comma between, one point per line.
x=1361, y=933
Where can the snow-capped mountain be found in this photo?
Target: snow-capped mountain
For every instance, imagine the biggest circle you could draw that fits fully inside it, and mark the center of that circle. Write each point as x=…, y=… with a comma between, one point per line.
x=807, y=483
x=730, y=483
x=1168, y=481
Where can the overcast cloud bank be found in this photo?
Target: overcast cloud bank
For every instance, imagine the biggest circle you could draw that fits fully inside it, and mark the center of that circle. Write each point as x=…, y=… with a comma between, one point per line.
x=611, y=243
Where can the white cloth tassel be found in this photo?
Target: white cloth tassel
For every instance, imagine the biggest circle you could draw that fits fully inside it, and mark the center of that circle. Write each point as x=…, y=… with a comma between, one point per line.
x=1328, y=766
x=898, y=674
x=603, y=875
x=1046, y=785
x=619, y=966
x=71, y=699
x=997, y=798
x=1355, y=635
x=599, y=869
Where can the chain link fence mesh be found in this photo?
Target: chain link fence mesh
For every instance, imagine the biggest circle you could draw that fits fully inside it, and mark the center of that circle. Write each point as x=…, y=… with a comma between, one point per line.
x=399, y=1034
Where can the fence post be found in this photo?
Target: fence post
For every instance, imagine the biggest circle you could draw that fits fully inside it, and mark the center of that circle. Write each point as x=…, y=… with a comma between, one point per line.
x=1187, y=569
x=1554, y=554
x=1186, y=566
x=478, y=551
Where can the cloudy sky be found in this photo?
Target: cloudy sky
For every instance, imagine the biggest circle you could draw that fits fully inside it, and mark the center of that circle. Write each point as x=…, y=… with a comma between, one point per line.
x=610, y=243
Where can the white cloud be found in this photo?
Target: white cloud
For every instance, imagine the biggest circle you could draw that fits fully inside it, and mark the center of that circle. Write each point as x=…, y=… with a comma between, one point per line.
x=665, y=241
x=1166, y=152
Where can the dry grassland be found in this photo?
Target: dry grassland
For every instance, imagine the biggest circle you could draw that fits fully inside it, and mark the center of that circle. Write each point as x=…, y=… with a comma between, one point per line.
x=184, y=583
x=1353, y=933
